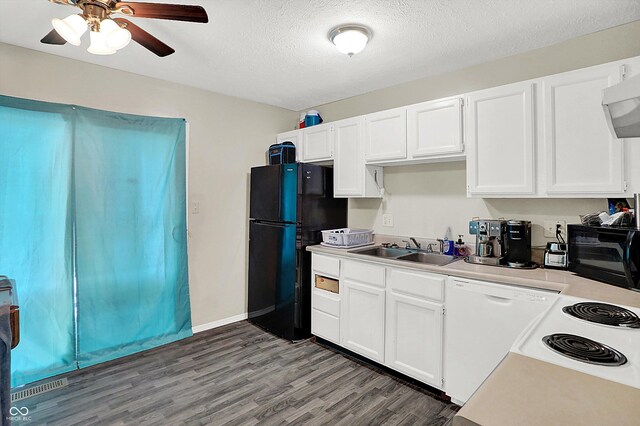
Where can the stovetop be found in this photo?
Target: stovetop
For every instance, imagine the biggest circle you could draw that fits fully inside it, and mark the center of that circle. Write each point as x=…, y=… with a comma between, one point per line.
x=582, y=349
x=603, y=313
x=614, y=345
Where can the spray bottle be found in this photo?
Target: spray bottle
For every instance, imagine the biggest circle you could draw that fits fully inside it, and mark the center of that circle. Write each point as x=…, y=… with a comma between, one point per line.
x=447, y=245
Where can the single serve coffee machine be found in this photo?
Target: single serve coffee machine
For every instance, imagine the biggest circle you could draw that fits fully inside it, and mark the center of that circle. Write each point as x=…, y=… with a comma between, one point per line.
x=519, y=244
x=490, y=241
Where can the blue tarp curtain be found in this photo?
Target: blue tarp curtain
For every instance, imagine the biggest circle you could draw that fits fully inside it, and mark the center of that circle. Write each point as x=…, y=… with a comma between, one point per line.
x=93, y=230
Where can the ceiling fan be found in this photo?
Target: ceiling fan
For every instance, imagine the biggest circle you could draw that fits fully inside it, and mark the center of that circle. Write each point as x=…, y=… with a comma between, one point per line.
x=109, y=35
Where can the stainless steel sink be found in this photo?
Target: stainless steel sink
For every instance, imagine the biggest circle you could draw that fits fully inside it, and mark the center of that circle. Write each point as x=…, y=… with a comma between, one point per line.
x=410, y=255
x=428, y=258
x=379, y=251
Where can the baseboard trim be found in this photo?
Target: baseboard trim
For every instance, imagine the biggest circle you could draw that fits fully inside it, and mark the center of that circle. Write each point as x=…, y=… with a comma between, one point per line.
x=219, y=323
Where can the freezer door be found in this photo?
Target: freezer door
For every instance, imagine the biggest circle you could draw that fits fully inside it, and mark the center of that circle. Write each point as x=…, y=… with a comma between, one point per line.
x=273, y=193
x=317, y=208
x=272, y=277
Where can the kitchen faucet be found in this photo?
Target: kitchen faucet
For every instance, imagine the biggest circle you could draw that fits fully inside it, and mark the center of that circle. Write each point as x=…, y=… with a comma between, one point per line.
x=415, y=242
x=411, y=240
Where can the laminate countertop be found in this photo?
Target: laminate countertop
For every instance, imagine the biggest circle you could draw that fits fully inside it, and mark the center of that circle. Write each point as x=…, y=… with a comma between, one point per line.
x=526, y=391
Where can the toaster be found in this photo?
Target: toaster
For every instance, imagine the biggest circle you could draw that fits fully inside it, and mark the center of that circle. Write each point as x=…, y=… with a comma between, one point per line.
x=555, y=256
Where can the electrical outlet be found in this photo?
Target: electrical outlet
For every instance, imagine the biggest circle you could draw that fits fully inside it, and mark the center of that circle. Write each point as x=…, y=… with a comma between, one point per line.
x=550, y=228
x=387, y=219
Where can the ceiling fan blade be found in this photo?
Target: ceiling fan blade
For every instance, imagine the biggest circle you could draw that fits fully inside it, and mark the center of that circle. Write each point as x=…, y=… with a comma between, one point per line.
x=145, y=39
x=53, y=38
x=175, y=12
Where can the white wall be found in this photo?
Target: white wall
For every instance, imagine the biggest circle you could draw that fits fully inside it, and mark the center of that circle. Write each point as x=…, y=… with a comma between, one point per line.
x=425, y=199
x=227, y=137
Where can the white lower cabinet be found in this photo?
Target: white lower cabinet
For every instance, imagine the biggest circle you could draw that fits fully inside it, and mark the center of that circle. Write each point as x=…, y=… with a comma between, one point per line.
x=325, y=326
x=414, y=337
x=325, y=297
x=415, y=324
x=391, y=315
x=362, y=319
x=396, y=316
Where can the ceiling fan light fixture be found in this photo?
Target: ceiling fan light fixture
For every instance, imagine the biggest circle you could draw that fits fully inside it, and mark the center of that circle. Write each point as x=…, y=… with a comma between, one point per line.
x=70, y=28
x=350, y=39
x=99, y=44
x=115, y=37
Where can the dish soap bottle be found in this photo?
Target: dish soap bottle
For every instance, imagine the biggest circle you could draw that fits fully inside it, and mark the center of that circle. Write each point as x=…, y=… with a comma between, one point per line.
x=447, y=245
x=460, y=248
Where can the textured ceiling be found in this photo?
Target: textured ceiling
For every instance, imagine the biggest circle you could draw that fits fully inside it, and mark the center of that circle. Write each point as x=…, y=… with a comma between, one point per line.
x=277, y=51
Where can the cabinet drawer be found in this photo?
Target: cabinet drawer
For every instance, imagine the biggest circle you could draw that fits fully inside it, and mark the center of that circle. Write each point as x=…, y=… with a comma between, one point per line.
x=325, y=326
x=363, y=272
x=327, y=284
x=418, y=284
x=326, y=302
x=326, y=265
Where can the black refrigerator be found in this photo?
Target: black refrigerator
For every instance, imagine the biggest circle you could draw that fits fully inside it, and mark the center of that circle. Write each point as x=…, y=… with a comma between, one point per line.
x=289, y=205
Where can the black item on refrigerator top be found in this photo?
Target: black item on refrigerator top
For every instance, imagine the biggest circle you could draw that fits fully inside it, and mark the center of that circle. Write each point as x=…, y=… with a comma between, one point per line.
x=282, y=153
x=289, y=205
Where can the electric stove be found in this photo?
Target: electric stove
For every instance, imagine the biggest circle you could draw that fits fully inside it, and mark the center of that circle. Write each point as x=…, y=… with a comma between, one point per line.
x=592, y=337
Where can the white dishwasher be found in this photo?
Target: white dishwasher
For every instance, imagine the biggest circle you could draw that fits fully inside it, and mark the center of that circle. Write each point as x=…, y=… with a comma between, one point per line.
x=482, y=320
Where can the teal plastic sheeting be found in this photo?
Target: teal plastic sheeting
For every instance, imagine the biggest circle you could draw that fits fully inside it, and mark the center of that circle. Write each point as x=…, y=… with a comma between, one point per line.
x=131, y=251
x=100, y=197
x=36, y=234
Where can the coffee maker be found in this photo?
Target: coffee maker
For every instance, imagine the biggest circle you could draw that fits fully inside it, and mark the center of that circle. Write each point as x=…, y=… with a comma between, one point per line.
x=490, y=241
x=518, y=243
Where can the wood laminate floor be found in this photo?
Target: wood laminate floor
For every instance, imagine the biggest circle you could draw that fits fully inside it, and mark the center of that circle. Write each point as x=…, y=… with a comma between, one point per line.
x=236, y=375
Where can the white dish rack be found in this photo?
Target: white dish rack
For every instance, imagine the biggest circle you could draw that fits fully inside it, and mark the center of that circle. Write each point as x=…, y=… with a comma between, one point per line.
x=347, y=237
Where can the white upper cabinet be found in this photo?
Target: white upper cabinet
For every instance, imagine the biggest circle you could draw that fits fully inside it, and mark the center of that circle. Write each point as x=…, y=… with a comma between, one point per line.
x=500, y=141
x=295, y=137
x=581, y=155
x=385, y=135
x=317, y=143
x=352, y=178
x=434, y=128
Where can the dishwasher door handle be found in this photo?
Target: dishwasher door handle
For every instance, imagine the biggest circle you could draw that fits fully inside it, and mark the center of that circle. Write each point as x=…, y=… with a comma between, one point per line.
x=498, y=299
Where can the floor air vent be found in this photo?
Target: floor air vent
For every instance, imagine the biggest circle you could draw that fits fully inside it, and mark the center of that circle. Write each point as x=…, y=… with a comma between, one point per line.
x=37, y=390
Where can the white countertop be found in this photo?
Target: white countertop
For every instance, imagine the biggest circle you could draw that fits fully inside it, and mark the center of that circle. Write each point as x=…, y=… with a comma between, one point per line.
x=564, y=282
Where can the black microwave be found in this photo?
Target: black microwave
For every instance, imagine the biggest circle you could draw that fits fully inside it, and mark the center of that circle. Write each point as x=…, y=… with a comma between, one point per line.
x=607, y=254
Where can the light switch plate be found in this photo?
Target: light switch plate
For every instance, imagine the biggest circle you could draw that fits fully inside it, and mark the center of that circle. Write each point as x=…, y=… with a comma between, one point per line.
x=195, y=207
x=387, y=219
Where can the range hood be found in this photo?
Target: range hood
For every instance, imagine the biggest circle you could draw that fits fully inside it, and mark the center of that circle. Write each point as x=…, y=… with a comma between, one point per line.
x=621, y=104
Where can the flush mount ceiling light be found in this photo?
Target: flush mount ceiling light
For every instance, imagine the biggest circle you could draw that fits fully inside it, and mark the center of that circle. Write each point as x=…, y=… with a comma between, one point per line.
x=350, y=39
x=109, y=35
